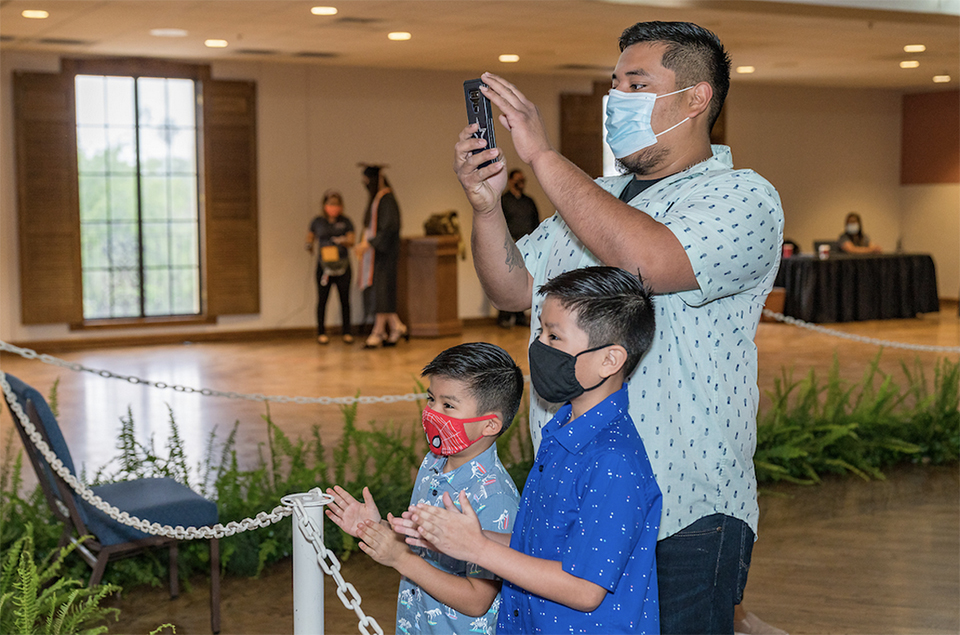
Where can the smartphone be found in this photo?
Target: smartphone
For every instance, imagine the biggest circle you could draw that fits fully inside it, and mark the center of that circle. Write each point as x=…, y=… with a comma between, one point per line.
x=480, y=111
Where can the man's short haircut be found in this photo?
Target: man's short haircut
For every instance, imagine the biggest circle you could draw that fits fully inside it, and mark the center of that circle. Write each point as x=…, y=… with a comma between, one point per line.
x=611, y=306
x=493, y=378
x=693, y=53
x=513, y=172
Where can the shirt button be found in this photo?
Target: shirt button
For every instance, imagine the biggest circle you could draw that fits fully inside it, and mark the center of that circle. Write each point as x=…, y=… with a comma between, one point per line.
x=541, y=468
x=516, y=613
x=434, y=492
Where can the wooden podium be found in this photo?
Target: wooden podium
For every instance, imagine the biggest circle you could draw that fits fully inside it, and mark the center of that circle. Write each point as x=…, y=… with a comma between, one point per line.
x=427, y=286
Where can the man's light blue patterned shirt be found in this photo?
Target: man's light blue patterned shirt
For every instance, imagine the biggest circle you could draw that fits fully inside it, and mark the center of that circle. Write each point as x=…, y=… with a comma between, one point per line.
x=694, y=395
x=494, y=498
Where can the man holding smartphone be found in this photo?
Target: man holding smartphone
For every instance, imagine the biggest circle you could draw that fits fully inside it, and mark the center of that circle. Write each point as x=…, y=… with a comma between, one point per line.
x=706, y=239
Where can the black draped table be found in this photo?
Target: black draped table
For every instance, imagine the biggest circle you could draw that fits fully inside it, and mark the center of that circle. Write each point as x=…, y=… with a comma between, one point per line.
x=843, y=288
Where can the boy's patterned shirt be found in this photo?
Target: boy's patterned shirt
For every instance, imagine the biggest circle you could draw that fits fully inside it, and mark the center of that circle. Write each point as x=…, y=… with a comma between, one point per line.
x=495, y=500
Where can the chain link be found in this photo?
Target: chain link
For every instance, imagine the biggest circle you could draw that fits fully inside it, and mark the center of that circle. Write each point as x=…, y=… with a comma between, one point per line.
x=27, y=353
x=780, y=317
x=328, y=560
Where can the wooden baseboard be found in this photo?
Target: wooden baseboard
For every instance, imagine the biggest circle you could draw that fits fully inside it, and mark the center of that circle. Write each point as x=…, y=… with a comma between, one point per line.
x=46, y=346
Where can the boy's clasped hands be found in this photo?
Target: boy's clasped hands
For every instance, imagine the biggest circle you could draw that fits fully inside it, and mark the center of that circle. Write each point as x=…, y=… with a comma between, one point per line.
x=449, y=529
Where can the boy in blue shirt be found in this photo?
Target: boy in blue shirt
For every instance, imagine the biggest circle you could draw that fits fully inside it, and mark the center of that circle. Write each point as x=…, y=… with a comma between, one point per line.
x=582, y=556
x=475, y=391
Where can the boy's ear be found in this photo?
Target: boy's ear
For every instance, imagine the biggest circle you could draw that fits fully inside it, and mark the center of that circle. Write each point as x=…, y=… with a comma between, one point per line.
x=613, y=360
x=492, y=427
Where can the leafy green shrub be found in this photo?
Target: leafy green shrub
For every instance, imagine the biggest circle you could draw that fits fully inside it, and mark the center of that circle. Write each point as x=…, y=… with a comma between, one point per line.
x=33, y=599
x=814, y=429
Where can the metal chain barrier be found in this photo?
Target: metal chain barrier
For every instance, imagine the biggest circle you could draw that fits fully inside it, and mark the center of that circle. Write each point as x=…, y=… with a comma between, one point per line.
x=328, y=560
x=263, y=519
x=27, y=353
x=786, y=319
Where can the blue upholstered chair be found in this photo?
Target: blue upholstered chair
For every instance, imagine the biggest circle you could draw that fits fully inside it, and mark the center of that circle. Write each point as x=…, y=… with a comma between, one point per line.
x=160, y=500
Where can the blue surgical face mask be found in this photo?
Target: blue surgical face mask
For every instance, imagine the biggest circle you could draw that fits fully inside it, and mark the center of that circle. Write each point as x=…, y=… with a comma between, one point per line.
x=628, y=121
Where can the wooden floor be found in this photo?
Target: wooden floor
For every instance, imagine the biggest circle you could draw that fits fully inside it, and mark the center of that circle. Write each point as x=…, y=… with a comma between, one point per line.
x=843, y=557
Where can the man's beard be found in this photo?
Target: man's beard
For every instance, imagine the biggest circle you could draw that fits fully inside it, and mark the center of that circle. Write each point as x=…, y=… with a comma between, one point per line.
x=643, y=162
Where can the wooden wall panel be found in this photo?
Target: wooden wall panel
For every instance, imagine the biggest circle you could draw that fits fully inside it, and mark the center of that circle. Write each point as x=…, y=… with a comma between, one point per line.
x=930, y=148
x=47, y=199
x=230, y=198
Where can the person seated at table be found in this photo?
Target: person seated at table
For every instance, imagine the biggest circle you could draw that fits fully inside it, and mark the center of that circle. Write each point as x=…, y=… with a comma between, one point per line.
x=853, y=240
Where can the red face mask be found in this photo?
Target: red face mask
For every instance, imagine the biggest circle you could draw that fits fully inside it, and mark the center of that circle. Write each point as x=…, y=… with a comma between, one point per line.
x=445, y=434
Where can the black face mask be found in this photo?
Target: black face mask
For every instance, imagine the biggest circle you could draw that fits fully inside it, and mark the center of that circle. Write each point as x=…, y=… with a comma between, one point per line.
x=553, y=373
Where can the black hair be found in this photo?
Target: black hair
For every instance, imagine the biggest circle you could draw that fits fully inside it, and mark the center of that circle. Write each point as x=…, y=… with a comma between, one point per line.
x=492, y=376
x=372, y=172
x=611, y=306
x=332, y=194
x=693, y=53
x=514, y=171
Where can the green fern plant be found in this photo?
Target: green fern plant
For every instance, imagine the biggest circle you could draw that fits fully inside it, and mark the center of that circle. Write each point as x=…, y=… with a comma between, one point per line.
x=37, y=599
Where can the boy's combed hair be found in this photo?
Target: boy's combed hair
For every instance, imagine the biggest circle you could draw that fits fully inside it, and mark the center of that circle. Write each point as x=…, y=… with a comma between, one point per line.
x=693, y=53
x=494, y=379
x=612, y=307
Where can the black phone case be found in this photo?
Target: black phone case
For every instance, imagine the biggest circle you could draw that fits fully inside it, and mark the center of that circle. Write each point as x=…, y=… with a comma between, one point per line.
x=479, y=111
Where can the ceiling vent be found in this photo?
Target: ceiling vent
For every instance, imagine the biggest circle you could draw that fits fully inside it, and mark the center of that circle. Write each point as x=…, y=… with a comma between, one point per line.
x=316, y=54
x=56, y=41
x=357, y=21
x=585, y=67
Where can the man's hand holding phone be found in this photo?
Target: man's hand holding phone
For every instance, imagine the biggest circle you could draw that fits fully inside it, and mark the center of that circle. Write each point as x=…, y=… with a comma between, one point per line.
x=518, y=115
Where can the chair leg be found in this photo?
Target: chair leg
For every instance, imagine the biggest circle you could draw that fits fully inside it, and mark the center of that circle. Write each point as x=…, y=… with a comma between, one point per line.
x=215, y=585
x=174, y=574
x=98, y=568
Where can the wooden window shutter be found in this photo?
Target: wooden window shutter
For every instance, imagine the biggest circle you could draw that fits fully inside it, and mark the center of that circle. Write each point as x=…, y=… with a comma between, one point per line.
x=48, y=204
x=581, y=128
x=230, y=197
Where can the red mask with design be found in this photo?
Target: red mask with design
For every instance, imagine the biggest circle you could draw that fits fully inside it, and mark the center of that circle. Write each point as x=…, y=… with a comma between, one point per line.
x=446, y=435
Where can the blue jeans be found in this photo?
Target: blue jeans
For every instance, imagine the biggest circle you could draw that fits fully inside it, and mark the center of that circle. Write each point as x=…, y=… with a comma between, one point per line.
x=701, y=572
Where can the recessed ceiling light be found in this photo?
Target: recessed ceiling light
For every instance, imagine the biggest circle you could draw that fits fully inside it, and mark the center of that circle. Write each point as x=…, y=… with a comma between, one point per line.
x=509, y=58
x=168, y=33
x=745, y=70
x=941, y=79
x=909, y=64
x=399, y=36
x=35, y=14
x=215, y=44
x=324, y=11
x=914, y=48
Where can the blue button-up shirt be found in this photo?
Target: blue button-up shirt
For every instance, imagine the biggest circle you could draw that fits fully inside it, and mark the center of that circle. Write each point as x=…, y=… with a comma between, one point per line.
x=591, y=502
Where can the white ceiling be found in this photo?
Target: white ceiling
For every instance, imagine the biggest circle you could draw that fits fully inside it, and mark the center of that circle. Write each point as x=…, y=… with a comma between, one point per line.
x=848, y=44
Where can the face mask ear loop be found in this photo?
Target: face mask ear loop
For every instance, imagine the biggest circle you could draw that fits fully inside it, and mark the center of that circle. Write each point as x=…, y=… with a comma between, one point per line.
x=590, y=350
x=657, y=134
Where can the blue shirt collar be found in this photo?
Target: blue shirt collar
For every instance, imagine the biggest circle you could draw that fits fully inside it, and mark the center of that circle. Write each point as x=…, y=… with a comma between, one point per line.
x=577, y=433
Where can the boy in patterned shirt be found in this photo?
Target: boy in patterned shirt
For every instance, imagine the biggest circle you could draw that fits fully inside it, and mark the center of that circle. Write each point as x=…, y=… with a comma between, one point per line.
x=475, y=391
x=582, y=557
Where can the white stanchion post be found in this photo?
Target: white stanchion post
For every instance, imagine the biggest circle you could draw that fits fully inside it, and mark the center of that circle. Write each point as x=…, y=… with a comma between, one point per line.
x=307, y=575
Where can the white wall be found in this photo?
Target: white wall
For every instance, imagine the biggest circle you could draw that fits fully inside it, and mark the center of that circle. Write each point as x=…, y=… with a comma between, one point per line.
x=931, y=224
x=828, y=151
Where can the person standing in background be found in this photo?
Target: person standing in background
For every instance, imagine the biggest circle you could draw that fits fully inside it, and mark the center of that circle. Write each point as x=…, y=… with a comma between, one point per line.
x=379, y=256
x=853, y=240
x=334, y=233
x=522, y=218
